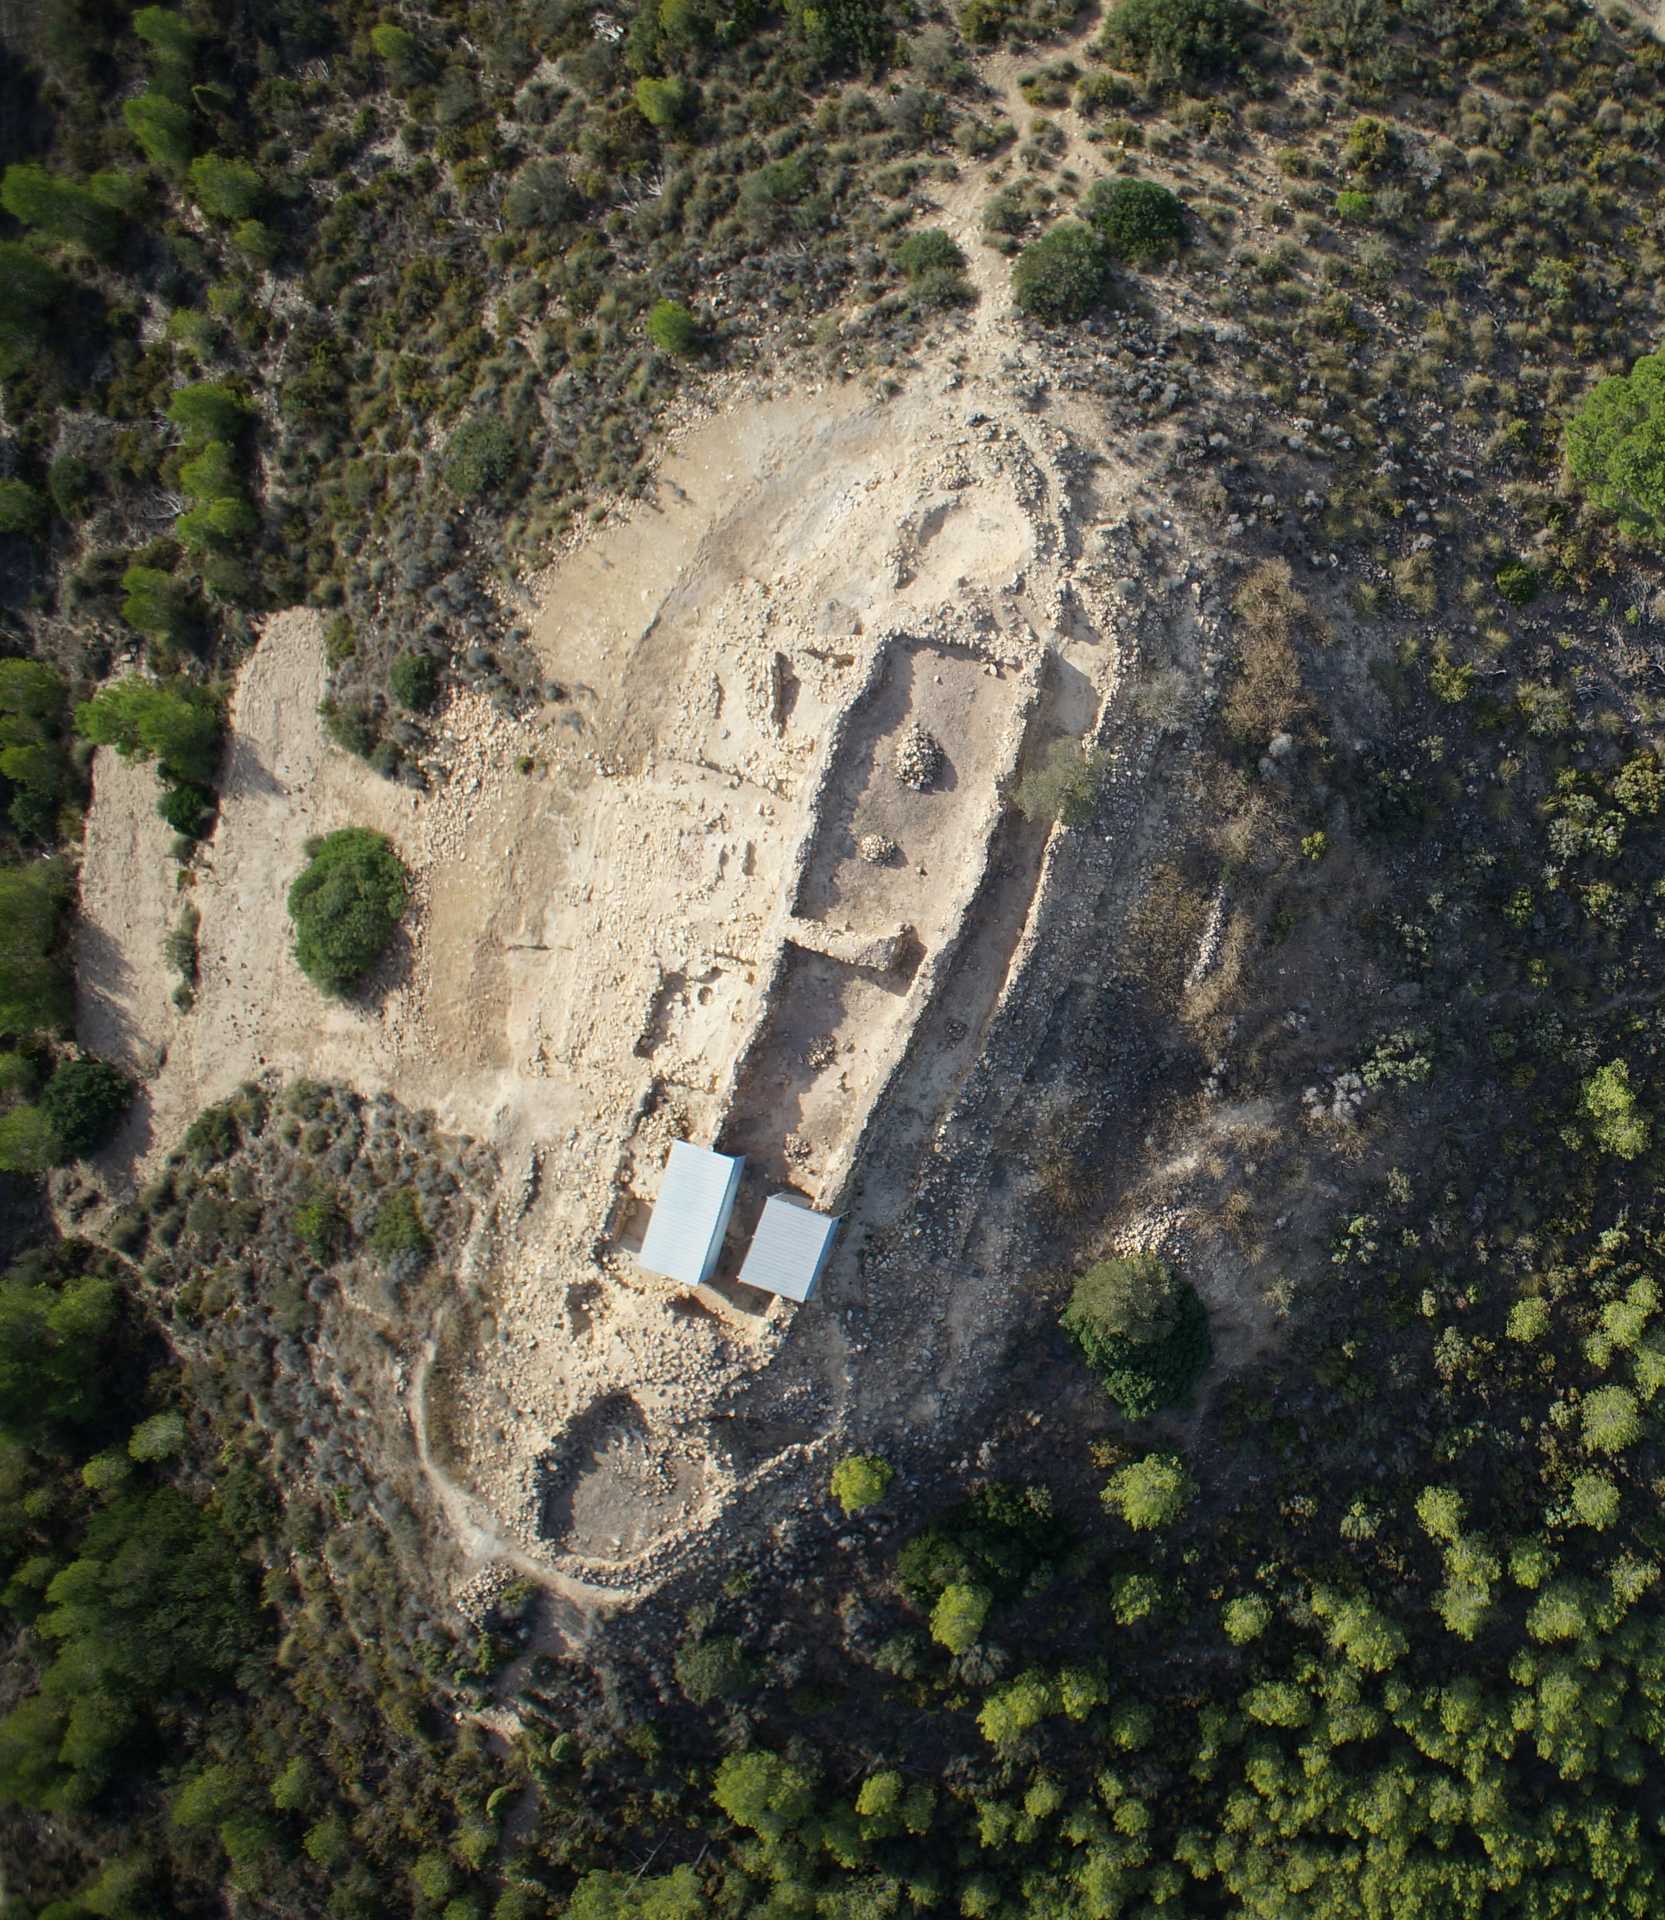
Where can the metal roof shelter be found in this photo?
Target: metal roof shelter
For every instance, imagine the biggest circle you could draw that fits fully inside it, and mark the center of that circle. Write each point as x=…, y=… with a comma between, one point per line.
x=690, y=1217
x=790, y=1248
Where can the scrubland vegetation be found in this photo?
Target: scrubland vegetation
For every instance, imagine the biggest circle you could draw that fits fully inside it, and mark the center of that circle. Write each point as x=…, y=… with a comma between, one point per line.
x=354, y=306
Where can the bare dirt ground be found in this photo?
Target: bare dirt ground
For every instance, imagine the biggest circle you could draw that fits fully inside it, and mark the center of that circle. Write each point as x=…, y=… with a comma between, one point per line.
x=640, y=912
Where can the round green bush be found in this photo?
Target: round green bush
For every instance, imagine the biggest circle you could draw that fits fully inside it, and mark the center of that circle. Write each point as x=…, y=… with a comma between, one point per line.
x=673, y=329
x=1064, y=274
x=1141, y=1329
x=345, y=906
x=83, y=1102
x=1141, y=219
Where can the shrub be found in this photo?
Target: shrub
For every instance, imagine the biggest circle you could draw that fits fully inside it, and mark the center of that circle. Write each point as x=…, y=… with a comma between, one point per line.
x=71, y=483
x=661, y=103
x=346, y=905
x=1064, y=786
x=540, y=195
x=401, y=53
x=321, y=1226
x=414, y=679
x=1064, y=274
x=1352, y=206
x=673, y=329
x=1615, y=446
x=1141, y=1329
x=479, y=457
x=844, y=32
x=1178, y=42
x=398, y=1238
x=1152, y=1492
x=861, y=1480
x=84, y=1101
x=929, y=251
x=1517, y=582
x=22, y=508
x=188, y=809
x=1141, y=220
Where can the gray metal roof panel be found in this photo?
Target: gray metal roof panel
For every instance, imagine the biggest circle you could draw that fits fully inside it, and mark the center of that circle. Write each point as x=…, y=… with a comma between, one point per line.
x=789, y=1249
x=690, y=1217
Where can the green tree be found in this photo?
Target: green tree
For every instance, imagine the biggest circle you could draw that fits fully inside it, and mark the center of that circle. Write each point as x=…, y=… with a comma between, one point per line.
x=162, y=128
x=158, y=604
x=958, y=1616
x=713, y=1668
x=208, y=411
x=30, y=293
x=1064, y=274
x=34, y=984
x=1615, y=446
x=1245, y=1618
x=764, y=1792
x=61, y=209
x=346, y=905
x=1151, y=1492
x=225, y=189
x=176, y=723
x=861, y=1480
x=23, y=508
x=1015, y=1709
x=158, y=1438
x=167, y=33
x=1142, y=1330
x=28, y=1142
x=1142, y=220
x=1611, y=1420
x=1609, y=1105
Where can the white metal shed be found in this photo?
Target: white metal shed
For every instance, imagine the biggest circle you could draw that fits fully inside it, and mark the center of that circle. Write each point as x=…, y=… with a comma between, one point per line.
x=790, y=1248
x=690, y=1217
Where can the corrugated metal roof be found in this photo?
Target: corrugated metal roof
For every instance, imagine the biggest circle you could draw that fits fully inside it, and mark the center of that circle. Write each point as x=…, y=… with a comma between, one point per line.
x=691, y=1214
x=789, y=1249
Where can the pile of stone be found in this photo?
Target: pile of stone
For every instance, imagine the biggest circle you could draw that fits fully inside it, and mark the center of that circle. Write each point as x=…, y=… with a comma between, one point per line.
x=878, y=849
x=919, y=758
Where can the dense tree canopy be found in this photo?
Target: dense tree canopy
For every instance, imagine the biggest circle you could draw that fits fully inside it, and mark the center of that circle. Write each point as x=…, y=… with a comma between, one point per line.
x=346, y=904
